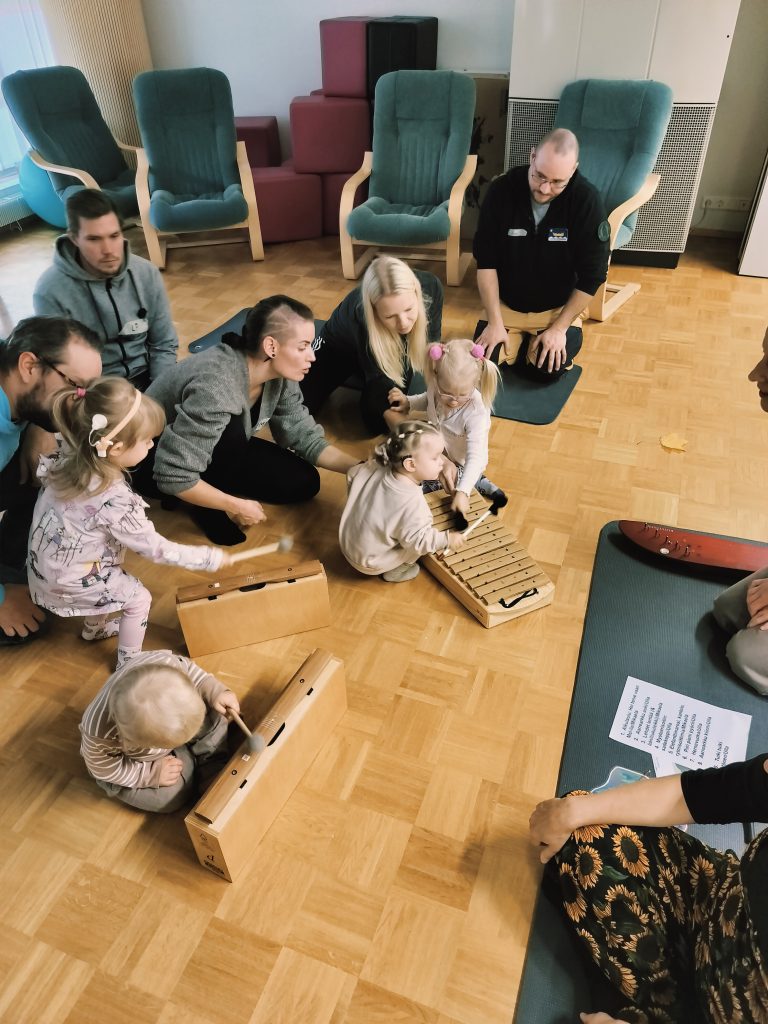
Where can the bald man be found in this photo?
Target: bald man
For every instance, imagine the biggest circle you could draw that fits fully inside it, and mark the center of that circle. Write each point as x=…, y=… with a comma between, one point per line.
x=542, y=252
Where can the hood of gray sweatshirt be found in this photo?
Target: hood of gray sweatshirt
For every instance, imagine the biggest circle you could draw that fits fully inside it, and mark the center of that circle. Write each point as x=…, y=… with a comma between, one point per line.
x=128, y=311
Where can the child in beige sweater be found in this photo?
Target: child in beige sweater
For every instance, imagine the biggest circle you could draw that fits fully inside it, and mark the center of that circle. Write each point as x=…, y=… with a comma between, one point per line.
x=387, y=524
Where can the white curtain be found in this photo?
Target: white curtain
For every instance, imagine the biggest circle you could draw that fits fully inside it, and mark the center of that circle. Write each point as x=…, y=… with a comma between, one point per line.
x=24, y=43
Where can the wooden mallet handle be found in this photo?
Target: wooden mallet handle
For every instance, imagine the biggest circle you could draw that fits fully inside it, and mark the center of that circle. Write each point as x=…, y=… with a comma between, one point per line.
x=480, y=519
x=284, y=544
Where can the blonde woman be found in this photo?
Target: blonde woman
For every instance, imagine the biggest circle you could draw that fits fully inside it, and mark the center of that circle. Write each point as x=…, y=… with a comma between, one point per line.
x=379, y=332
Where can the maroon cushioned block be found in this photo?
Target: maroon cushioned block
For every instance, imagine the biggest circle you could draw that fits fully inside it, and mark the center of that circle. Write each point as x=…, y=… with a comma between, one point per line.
x=329, y=133
x=290, y=204
x=261, y=139
x=332, y=186
x=344, y=55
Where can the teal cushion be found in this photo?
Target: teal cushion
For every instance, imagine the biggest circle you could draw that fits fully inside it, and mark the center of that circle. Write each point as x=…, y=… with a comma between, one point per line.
x=58, y=114
x=385, y=223
x=188, y=130
x=122, y=192
x=208, y=212
x=625, y=231
x=620, y=126
x=422, y=130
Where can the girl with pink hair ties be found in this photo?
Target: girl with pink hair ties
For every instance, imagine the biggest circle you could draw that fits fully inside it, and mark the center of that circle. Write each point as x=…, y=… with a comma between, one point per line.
x=461, y=387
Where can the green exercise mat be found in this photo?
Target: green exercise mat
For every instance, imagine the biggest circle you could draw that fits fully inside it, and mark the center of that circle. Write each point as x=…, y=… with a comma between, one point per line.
x=524, y=400
x=648, y=618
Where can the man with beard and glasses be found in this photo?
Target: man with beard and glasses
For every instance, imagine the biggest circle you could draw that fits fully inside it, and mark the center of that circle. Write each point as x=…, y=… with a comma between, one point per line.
x=42, y=355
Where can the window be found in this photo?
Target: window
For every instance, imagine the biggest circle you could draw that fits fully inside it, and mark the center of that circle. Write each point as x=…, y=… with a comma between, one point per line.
x=24, y=43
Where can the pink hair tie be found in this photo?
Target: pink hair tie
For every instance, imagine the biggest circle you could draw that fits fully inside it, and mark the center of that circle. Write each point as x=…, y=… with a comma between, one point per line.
x=477, y=351
x=79, y=392
x=436, y=351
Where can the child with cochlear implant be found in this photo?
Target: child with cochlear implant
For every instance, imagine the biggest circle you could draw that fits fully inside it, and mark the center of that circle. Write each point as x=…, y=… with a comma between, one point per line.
x=155, y=729
x=461, y=387
x=387, y=524
x=87, y=515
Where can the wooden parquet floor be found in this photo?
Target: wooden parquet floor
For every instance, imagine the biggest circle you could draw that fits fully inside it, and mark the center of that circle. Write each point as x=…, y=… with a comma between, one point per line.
x=397, y=884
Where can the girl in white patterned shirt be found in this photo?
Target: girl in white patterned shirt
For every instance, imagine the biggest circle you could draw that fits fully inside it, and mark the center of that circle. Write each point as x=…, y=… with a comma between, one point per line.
x=461, y=387
x=86, y=515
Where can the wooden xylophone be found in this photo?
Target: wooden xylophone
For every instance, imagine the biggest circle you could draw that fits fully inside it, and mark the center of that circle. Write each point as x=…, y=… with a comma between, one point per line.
x=233, y=611
x=493, y=575
x=232, y=816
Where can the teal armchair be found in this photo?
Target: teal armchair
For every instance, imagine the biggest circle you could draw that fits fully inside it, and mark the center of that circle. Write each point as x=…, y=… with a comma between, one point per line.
x=58, y=114
x=192, y=175
x=419, y=170
x=620, y=126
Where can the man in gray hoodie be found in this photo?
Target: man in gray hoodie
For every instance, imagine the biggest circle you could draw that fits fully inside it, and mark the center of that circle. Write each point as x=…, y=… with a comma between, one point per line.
x=97, y=280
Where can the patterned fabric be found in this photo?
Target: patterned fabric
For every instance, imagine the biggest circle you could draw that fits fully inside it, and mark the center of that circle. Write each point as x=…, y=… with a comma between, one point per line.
x=666, y=920
x=77, y=547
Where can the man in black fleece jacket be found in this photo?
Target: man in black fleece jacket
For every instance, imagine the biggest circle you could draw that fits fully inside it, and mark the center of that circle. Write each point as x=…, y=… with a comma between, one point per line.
x=542, y=252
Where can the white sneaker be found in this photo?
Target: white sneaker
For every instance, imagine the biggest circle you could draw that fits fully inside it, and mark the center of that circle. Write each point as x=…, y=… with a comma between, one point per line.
x=403, y=572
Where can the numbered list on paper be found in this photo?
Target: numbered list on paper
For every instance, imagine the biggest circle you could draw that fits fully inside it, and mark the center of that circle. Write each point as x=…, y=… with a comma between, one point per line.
x=688, y=731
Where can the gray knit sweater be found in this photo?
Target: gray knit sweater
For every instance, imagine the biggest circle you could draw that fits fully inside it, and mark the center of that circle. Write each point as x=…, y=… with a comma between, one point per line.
x=201, y=394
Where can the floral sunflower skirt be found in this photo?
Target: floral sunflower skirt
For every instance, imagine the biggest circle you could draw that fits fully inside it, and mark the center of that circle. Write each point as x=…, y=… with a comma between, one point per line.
x=665, y=919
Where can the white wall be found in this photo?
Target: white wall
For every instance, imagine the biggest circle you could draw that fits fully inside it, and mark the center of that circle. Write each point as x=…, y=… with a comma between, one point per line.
x=739, y=137
x=270, y=49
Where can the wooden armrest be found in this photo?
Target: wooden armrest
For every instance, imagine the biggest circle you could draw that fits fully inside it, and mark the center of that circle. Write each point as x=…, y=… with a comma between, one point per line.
x=125, y=146
x=351, y=186
x=142, y=184
x=88, y=180
x=617, y=217
x=456, y=198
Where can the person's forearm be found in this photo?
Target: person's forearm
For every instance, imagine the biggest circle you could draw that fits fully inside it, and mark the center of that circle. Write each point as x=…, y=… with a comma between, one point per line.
x=647, y=802
x=577, y=303
x=488, y=286
x=335, y=459
x=207, y=496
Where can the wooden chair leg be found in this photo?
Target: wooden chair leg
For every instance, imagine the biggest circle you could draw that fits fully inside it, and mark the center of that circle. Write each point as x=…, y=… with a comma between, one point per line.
x=609, y=298
x=155, y=247
x=347, y=246
x=249, y=194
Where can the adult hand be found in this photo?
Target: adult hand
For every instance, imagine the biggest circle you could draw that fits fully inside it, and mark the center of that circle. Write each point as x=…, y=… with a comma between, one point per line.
x=494, y=334
x=550, y=825
x=447, y=478
x=398, y=401
x=245, y=512
x=18, y=615
x=225, y=703
x=170, y=771
x=548, y=349
x=599, y=1018
x=757, y=603
x=456, y=540
x=460, y=502
x=36, y=442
